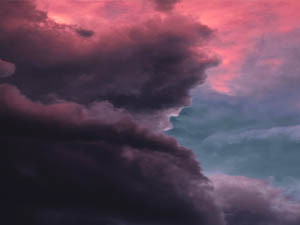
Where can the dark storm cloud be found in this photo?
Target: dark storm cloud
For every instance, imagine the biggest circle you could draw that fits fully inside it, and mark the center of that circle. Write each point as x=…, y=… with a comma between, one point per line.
x=70, y=163
x=64, y=166
x=165, y=5
x=147, y=67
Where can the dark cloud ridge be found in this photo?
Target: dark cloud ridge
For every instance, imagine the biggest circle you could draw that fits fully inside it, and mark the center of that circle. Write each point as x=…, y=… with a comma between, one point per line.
x=99, y=170
x=65, y=163
x=150, y=67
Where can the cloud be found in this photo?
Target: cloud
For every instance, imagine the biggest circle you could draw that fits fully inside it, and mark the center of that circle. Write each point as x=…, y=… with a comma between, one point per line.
x=145, y=67
x=62, y=160
x=291, y=133
x=77, y=138
x=165, y=5
x=85, y=33
x=270, y=68
x=6, y=69
x=254, y=202
x=241, y=27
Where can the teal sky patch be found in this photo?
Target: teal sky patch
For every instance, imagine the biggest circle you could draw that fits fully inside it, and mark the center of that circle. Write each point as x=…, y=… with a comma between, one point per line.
x=256, y=138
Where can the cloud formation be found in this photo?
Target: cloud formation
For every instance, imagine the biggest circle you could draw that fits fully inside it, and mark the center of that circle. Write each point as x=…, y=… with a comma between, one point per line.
x=243, y=28
x=67, y=161
x=79, y=121
x=146, y=67
x=71, y=141
x=254, y=202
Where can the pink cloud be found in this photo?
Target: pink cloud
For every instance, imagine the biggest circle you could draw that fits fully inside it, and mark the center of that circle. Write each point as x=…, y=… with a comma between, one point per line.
x=239, y=25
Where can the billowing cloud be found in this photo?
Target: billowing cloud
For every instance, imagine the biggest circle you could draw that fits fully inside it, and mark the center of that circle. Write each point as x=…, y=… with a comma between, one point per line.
x=60, y=159
x=253, y=202
x=240, y=25
x=146, y=67
x=80, y=116
x=76, y=147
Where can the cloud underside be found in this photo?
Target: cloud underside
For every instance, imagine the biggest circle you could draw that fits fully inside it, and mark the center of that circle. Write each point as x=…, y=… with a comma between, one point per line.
x=59, y=158
x=146, y=67
x=76, y=141
x=73, y=138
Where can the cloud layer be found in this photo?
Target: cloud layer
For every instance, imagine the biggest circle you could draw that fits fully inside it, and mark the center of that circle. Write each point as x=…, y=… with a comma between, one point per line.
x=72, y=148
x=253, y=202
x=237, y=132
x=61, y=159
x=146, y=67
x=80, y=119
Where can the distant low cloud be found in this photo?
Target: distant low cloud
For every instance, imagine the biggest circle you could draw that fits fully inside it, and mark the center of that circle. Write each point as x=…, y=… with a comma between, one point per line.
x=254, y=202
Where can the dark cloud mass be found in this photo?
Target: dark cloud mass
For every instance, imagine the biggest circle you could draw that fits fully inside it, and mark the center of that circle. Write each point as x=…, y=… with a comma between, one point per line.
x=147, y=67
x=74, y=144
x=72, y=149
x=63, y=165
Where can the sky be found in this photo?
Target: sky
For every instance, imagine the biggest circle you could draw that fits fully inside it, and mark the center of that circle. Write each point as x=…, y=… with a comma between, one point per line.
x=150, y=112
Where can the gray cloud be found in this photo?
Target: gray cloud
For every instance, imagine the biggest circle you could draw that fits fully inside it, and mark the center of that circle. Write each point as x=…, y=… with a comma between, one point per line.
x=254, y=202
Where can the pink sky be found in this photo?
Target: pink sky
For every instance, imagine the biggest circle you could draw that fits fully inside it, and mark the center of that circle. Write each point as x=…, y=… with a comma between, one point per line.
x=238, y=25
